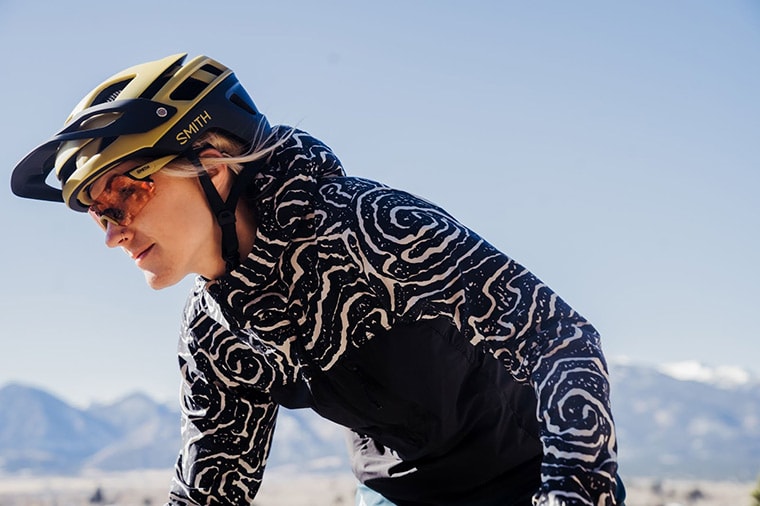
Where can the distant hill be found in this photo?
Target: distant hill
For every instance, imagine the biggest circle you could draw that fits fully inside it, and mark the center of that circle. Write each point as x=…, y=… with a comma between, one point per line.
x=42, y=434
x=675, y=424
x=677, y=421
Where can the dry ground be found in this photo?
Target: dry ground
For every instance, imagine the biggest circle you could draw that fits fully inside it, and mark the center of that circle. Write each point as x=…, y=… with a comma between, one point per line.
x=148, y=488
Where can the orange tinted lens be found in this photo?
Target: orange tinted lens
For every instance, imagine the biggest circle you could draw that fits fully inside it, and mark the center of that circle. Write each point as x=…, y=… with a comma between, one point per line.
x=121, y=200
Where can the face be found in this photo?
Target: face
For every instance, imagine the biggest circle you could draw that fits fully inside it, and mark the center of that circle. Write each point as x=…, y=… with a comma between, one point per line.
x=164, y=224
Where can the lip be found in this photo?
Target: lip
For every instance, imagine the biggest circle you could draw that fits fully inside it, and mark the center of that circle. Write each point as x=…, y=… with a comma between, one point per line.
x=141, y=256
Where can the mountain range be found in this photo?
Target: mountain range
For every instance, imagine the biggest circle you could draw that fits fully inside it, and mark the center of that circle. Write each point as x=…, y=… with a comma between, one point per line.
x=676, y=421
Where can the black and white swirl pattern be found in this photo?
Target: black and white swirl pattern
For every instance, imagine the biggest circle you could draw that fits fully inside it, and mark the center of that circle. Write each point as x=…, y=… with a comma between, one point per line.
x=338, y=260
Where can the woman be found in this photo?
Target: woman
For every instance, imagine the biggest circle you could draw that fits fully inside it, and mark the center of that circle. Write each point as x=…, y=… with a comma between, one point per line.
x=461, y=378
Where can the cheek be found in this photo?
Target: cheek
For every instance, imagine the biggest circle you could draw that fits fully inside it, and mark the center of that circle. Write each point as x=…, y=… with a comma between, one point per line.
x=177, y=208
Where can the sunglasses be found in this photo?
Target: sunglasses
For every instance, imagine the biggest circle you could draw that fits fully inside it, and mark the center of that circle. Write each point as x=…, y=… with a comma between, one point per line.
x=125, y=195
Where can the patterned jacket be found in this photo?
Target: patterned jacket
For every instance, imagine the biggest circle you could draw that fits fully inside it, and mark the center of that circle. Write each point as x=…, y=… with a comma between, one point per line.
x=460, y=376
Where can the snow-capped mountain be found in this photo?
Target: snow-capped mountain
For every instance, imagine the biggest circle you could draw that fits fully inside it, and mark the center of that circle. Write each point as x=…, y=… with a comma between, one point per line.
x=722, y=376
x=41, y=434
x=675, y=420
x=148, y=434
x=687, y=420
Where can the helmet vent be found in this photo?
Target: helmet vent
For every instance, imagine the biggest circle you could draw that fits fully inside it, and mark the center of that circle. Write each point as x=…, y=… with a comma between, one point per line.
x=161, y=80
x=156, y=85
x=215, y=71
x=106, y=141
x=110, y=93
x=189, y=89
x=243, y=104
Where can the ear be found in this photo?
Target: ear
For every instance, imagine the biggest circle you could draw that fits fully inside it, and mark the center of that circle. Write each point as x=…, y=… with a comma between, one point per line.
x=220, y=174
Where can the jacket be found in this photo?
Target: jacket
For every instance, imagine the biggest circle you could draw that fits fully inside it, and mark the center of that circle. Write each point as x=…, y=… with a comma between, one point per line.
x=460, y=377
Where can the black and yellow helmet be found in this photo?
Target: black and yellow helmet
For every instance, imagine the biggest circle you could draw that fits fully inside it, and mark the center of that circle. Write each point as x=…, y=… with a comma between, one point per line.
x=152, y=110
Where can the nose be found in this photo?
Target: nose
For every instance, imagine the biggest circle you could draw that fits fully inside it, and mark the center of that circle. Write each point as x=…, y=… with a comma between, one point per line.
x=116, y=235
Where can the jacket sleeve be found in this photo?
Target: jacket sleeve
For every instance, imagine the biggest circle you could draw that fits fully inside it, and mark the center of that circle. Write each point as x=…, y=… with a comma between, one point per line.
x=426, y=264
x=227, y=423
x=567, y=370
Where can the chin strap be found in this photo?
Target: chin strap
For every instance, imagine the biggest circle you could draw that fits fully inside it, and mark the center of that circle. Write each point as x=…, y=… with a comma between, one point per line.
x=224, y=211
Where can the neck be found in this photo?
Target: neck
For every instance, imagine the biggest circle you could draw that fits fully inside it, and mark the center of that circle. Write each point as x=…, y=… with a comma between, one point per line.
x=245, y=225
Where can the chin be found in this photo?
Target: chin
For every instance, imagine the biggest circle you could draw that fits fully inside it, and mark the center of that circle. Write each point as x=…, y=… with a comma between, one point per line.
x=159, y=282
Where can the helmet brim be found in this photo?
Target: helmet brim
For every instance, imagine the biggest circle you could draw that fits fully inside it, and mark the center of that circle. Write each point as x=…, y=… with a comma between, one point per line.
x=29, y=177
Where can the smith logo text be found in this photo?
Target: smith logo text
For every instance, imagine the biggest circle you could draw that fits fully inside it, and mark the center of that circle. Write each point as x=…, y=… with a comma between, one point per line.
x=193, y=128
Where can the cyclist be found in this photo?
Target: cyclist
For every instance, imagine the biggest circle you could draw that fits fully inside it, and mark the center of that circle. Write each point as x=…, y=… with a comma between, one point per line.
x=459, y=376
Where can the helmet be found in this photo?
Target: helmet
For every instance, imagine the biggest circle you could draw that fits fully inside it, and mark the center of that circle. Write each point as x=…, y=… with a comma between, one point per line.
x=151, y=110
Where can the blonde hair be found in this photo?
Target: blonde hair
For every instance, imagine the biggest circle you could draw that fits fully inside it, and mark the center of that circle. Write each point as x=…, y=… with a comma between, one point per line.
x=232, y=153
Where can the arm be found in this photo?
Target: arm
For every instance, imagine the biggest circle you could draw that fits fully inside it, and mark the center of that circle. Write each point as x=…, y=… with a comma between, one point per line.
x=227, y=424
x=570, y=378
x=426, y=264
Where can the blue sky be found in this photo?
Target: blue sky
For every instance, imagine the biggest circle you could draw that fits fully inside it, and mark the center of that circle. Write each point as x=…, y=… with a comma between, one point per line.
x=611, y=147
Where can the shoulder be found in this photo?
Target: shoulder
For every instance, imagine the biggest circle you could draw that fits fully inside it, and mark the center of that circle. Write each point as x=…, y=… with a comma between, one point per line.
x=362, y=193
x=341, y=191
